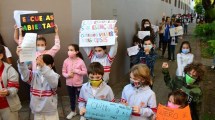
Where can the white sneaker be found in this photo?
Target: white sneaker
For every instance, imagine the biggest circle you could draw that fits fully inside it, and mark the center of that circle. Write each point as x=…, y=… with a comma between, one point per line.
x=70, y=115
x=212, y=67
x=82, y=118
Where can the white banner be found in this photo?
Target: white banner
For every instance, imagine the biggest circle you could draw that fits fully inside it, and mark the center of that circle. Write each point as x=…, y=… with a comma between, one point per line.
x=97, y=33
x=176, y=31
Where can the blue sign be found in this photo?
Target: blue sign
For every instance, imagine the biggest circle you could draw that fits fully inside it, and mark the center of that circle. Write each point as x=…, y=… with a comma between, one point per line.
x=104, y=110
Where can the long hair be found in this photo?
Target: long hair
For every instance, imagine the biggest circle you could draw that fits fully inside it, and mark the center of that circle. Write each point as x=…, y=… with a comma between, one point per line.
x=1, y=40
x=76, y=47
x=185, y=42
x=2, y=51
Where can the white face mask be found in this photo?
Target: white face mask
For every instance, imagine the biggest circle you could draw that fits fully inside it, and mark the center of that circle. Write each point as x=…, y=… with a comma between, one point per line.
x=147, y=46
x=40, y=49
x=146, y=25
x=38, y=68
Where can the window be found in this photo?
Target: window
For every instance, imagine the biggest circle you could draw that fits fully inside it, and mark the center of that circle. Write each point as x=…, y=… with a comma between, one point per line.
x=179, y=3
x=175, y=3
x=169, y=1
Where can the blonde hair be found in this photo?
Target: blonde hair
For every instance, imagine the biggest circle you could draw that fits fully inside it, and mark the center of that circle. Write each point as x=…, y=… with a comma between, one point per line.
x=143, y=72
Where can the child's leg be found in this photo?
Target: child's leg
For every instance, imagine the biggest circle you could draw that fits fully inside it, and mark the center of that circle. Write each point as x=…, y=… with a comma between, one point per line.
x=6, y=114
x=52, y=117
x=169, y=51
x=173, y=52
x=72, y=96
x=77, y=91
x=164, y=48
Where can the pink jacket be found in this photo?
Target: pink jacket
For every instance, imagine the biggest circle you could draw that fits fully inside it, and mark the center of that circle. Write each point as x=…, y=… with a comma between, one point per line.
x=78, y=67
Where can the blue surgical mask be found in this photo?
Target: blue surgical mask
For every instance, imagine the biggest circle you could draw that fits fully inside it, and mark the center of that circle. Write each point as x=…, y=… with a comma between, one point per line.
x=149, y=46
x=185, y=51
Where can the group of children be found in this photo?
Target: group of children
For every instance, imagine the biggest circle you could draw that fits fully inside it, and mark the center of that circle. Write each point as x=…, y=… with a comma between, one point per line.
x=44, y=80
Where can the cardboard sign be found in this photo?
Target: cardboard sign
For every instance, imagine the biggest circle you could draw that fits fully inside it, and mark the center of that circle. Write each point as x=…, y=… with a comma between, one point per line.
x=166, y=113
x=17, y=13
x=40, y=23
x=142, y=34
x=103, y=110
x=133, y=50
x=176, y=31
x=97, y=33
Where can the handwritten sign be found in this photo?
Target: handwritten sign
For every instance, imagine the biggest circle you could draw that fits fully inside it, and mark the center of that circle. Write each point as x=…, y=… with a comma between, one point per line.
x=28, y=46
x=103, y=110
x=166, y=113
x=17, y=13
x=142, y=34
x=155, y=28
x=40, y=23
x=133, y=50
x=176, y=31
x=97, y=33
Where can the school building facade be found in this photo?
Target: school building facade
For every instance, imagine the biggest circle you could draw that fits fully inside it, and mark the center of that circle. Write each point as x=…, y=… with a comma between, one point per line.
x=69, y=15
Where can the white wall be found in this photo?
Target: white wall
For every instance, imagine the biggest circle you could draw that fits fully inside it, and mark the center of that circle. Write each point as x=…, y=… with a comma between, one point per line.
x=129, y=13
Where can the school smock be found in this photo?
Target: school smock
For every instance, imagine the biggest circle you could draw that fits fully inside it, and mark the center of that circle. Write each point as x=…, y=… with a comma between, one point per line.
x=103, y=92
x=182, y=61
x=179, y=83
x=10, y=80
x=78, y=67
x=143, y=97
x=43, y=88
x=106, y=60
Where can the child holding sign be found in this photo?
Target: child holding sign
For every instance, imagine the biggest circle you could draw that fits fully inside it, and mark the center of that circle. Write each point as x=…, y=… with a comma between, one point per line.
x=177, y=99
x=43, y=82
x=73, y=70
x=106, y=59
x=189, y=84
x=95, y=88
x=138, y=94
x=9, y=85
x=41, y=45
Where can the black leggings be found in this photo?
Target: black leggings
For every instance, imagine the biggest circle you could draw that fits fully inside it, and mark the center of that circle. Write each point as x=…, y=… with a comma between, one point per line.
x=73, y=91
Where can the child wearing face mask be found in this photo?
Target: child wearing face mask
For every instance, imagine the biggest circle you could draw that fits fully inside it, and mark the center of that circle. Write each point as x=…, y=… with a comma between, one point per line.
x=73, y=70
x=99, y=55
x=41, y=45
x=189, y=84
x=177, y=99
x=138, y=94
x=95, y=88
x=43, y=82
x=184, y=57
x=146, y=26
x=146, y=54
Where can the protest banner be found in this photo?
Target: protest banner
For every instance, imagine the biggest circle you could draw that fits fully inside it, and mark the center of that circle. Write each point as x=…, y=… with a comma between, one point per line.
x=97, y=33
x=133, y=50
x=103, y=110
x=17, y=13
x=166, y=113
x=142, y=34
x=40, y=23
x=176, y=31
x=28, y=46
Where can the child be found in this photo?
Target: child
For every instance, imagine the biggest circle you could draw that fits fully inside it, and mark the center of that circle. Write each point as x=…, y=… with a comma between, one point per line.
x=189, y=84
x=138, y=94
x=94, y=88
x=43, y=82
x=177, y=99
x=7, y=51
x=146, y=54
x=136, y=41
x=9, y=84
x=184, y=57
x=41, y=45
x=106, y=59
x=73, y=70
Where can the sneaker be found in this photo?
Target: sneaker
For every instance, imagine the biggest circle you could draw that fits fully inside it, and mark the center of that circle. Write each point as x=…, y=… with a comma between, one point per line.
x=212, y=67
x=70, y=115
x=82, y=118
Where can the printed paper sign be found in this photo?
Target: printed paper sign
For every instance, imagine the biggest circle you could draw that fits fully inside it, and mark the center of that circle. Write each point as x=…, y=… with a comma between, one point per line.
x=176, y=31
x=97, y=33
x=155, y=28
x=133, y=50
x=17, y=14
x=166, y=113
x=28, y=46
x=142, y=34
x=103, y=110
x=40, y=23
